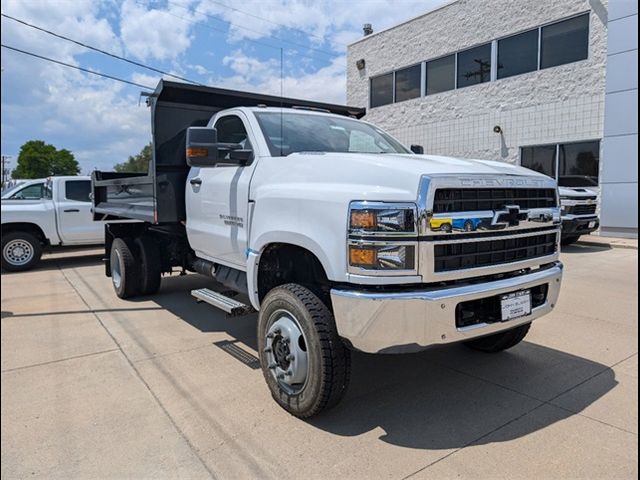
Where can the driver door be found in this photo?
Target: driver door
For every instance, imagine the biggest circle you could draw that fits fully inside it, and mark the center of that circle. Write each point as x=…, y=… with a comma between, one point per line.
x=217, y=200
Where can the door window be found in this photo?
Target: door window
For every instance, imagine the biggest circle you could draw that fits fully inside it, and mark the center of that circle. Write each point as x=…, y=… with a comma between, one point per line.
x=37, y=191
x=78, y=190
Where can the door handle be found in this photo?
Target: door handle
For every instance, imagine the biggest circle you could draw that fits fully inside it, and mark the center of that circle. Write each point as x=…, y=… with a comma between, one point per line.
x=72, y=210
x=195, y=181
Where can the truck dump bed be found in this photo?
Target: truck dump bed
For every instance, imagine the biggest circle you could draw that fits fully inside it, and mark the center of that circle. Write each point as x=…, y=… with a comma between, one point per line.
x=158, y=196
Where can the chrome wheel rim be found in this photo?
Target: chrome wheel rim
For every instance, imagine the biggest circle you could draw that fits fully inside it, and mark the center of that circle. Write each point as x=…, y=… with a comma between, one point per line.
x=18, y=252
x=286, y=352
x=116, y=274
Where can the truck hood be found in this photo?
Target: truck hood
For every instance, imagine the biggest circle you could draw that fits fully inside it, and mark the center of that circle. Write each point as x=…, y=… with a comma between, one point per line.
x=577, y=192
x=385, y=177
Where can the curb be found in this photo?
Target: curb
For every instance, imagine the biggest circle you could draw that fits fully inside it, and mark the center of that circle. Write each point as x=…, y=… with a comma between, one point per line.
x=607, y=244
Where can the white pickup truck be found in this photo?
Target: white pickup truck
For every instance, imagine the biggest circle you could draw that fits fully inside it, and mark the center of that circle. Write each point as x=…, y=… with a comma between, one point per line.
x=337, y=234
x=579, y=217
x=43, y=213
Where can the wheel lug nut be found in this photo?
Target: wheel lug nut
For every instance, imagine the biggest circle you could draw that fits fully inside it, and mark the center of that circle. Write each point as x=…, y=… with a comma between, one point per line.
x=289, y=373
x=280, y=376
x=270, y=335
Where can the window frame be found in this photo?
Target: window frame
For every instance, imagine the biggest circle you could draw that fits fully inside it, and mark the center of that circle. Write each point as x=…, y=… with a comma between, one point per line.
x=455, y=73
x=42, y=191
x=395, y=72
x=393, y=88
x=248, y=131
x=66, y=184
x=480, y=45
x=565, y=19
x=538, y=44
x=556, y=157
x=493, y=73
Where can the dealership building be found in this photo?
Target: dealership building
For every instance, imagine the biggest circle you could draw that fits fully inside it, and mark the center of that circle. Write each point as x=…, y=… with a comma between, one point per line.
x=550, y=85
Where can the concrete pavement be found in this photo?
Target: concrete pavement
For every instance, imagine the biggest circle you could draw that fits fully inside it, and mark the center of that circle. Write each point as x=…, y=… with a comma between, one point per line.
x=162, y=387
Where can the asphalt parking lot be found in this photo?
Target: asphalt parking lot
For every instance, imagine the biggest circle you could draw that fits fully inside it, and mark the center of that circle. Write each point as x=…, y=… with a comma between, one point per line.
x=162, y=387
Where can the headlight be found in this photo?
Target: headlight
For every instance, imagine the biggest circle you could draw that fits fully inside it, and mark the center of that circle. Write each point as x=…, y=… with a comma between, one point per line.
x=382, y=238
x=382, y=257
x=381, y=218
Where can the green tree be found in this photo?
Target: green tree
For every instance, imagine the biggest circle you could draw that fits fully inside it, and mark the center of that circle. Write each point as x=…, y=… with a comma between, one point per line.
x=137, y=163
x=38, y=160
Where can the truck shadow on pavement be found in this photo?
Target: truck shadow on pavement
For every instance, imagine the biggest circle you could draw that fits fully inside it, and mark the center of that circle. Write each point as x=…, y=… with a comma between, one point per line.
x=443, y=398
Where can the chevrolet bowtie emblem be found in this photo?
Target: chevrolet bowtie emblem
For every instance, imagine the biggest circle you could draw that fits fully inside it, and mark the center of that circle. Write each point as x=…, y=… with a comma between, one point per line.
x=509, y=216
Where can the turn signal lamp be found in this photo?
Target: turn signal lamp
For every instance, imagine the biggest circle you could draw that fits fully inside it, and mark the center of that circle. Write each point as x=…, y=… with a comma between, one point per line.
x=197, y=152
x=362, y=257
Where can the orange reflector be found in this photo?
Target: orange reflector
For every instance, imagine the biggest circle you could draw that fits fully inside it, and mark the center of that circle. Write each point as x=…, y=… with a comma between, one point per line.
x=363, y=219
x=362, y=256
x=197, y=152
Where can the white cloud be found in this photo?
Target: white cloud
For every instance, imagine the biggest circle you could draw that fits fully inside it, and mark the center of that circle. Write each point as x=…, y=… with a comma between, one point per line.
x=156, y=33
x=326, y=84
x=95, y=118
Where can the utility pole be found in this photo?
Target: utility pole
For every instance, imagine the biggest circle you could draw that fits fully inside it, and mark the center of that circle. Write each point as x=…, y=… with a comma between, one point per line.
x=5, y=159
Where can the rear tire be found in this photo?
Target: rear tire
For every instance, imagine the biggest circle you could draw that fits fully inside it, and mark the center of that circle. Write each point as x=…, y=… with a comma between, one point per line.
x=500, y=341
x=20, y=251
x=569, y=240
x=150, y=265
x=326, y=361
x=125, y=271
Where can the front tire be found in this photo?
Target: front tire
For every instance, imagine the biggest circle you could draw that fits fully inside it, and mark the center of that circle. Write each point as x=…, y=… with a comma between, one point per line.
x=304, y=361
x=125, y=272
x=20, y=251
x=500, y=341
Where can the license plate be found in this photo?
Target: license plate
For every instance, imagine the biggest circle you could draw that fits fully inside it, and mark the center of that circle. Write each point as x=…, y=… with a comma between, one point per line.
x=592, y=224
x=514, y=305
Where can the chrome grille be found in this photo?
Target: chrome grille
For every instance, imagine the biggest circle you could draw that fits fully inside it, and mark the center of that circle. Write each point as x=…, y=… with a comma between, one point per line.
x=582, y=210
x=483, y=253
x=476, y=225
x=447, y=200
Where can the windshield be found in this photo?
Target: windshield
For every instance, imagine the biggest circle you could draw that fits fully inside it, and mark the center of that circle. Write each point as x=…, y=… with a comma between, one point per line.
x=9, y=189
x=288, y=133
x=577, y=181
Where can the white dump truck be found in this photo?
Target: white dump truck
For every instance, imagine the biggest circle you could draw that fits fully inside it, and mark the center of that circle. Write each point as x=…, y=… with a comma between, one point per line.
x=45, y=213
x=337, y=234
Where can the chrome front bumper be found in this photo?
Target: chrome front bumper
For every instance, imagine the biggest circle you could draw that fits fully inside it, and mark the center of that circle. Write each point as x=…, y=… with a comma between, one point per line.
x=398, y=322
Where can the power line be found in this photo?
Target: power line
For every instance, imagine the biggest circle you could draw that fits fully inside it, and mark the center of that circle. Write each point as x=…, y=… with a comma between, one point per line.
x=86, y=70
x=210, y=27
x=249, y=14
x=113, y=55
x=280, y=39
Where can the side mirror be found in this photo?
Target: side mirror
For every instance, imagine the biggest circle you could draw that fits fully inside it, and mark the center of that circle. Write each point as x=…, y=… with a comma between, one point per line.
x=202, y=146
x=417, y=149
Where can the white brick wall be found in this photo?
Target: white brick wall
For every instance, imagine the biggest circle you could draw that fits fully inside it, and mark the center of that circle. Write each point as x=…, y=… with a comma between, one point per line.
x=558, y=104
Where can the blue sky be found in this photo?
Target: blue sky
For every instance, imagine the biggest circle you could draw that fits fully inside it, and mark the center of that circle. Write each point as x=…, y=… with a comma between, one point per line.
x=222, y=43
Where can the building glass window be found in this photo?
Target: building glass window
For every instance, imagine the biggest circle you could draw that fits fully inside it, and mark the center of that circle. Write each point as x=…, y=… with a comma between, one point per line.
x=382, y=90
x=518, y=54
x=565, y=42
x=578, y=164
x=441, y=75
x=408, y=83
x=474, y=66
x=541, y=159
x=572, y=164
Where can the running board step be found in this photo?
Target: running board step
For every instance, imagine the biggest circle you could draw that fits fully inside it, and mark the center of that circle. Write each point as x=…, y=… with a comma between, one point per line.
x=229, y=305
